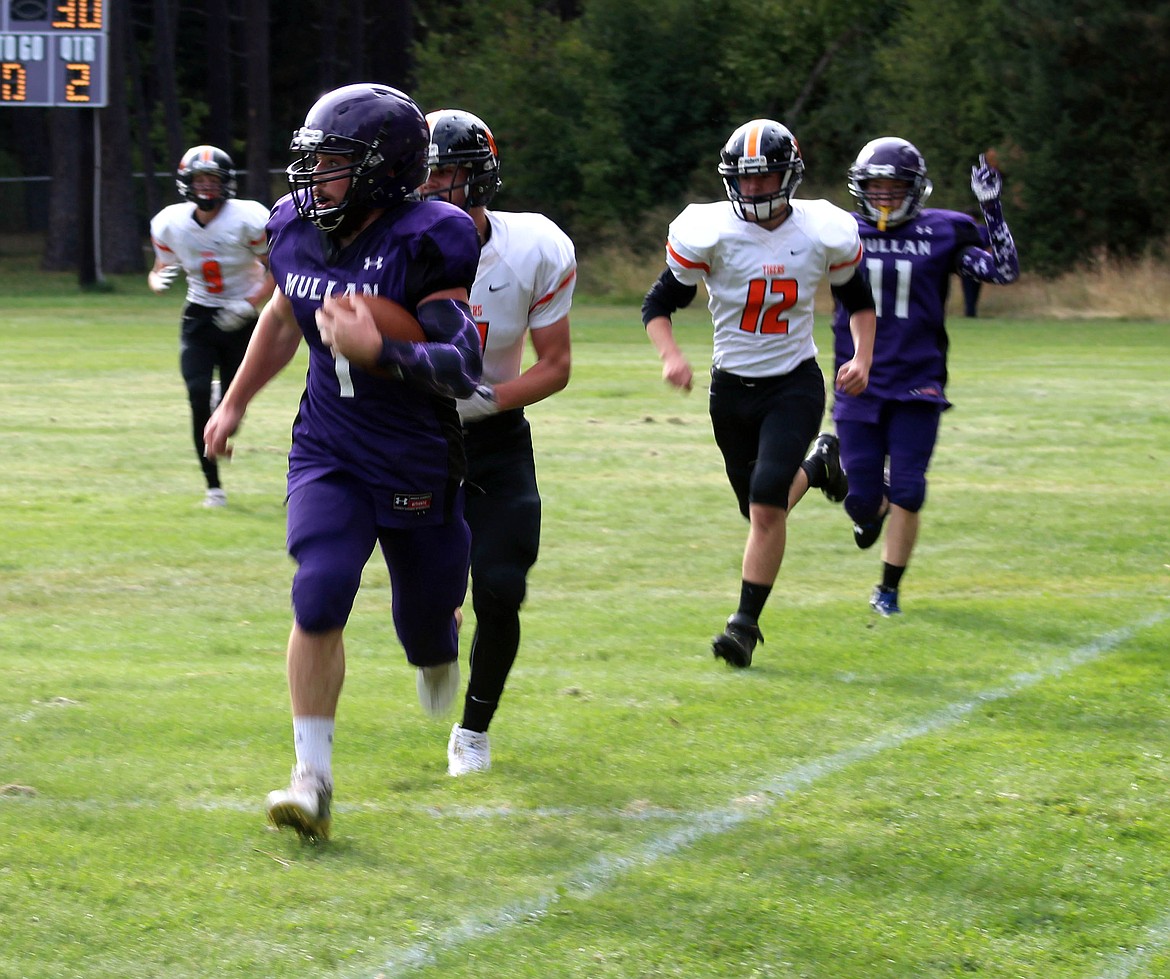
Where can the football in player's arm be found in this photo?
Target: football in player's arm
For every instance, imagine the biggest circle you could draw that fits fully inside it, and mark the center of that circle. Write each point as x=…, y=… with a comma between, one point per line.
x=377, y=450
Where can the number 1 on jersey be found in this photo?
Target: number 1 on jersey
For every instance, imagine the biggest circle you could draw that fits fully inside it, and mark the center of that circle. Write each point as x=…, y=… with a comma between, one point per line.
x=756, y=317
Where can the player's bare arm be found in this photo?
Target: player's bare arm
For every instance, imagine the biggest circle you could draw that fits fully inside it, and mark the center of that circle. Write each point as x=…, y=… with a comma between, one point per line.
x=548, y=374
x=853, y=377
x=857, y=297
x=273, y=345
x=676, y=369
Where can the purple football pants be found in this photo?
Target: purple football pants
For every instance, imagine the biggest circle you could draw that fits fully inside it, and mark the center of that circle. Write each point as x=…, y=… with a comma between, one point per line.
x=331, y=535
x=905, y=434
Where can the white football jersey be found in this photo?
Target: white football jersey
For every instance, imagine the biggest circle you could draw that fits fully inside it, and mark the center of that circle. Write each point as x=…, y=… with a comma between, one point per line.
x=762, y=283
x=221, y=260
x=525, y=281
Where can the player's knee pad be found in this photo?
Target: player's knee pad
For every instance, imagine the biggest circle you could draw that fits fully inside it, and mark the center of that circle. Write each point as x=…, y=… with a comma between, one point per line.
x=501, y=585
x=863, y=507
x=428, y=636
x=770, y=484
x=323, y=597
x=908, y=491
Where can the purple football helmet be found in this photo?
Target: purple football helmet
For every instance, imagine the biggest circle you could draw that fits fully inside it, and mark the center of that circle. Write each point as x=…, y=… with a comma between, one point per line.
x=761, y=146
x=890, y=158
x=384, y=135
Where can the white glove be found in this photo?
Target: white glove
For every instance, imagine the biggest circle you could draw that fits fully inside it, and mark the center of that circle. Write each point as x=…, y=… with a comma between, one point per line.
x=985, y=181
x=161, y=280
x=235, y=315
x=481, y=404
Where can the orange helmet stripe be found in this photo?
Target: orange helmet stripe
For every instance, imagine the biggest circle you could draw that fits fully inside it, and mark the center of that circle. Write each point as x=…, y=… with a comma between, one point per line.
x=752, y=139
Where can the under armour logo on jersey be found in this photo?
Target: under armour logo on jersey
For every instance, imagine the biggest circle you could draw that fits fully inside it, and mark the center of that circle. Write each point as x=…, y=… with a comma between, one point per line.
x=373, y=263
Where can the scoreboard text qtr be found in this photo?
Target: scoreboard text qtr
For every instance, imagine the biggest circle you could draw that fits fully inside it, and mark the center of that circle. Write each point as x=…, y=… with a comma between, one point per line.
x=53, y=52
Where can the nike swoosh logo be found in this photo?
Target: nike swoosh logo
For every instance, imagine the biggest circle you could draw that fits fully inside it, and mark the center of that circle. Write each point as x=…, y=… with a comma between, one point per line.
x=498, y=288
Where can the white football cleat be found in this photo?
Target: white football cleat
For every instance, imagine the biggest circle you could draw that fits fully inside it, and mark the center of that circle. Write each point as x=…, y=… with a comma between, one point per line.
x=215, y=498
x=437, y=686
x=304, y=805
x=468, y=751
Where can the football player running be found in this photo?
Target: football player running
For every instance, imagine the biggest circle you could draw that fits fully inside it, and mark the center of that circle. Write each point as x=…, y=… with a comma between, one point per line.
x=377, y=455
x=220, y=244
x=523, y=290
x=762, y=255
x=888, y=432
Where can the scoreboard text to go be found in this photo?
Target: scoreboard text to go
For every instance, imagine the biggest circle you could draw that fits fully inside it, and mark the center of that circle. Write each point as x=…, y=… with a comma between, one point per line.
x=52, y=69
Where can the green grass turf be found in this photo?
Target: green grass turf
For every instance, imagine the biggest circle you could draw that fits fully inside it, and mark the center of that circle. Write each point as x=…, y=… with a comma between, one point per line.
x=977, y=788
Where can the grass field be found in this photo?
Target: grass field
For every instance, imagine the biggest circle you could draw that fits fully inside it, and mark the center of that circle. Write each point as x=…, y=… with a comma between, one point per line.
x=978, y=788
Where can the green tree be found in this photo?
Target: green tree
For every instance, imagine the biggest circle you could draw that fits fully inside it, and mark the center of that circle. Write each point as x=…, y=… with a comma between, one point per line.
x=1084, y=99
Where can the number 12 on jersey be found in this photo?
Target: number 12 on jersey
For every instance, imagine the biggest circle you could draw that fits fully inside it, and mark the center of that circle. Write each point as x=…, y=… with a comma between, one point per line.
x=767, y=302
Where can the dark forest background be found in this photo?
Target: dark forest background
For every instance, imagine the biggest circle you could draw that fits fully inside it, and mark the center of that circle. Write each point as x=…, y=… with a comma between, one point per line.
x=609, y=114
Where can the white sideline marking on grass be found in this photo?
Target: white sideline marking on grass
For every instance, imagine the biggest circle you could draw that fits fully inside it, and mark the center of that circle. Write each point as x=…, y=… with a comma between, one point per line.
x=1123, y=966
x=598, y=873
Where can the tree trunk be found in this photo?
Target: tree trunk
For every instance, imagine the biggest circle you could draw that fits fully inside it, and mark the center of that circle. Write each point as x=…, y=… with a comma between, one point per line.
x=220, y=29
x=392, y=61
x=62, y=243
x=164, y=66
x=259, y=185
x=120, y=234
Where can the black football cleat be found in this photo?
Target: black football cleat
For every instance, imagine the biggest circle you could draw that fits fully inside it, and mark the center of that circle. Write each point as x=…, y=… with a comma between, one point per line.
x=738, y=641
x=825, y=472
x=866, y=535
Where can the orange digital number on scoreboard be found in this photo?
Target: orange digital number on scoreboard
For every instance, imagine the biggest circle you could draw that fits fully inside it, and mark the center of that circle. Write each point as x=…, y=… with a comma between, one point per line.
x=13, y=82
x=79, y=15
x=77, y=88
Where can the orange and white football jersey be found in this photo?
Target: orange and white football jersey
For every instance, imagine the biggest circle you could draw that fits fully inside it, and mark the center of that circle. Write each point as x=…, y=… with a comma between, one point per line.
x=221, y=260
x=761, y=284
x=525, y=280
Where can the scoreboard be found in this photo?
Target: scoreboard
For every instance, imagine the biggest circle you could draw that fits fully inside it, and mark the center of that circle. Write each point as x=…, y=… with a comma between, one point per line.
x=53, y=52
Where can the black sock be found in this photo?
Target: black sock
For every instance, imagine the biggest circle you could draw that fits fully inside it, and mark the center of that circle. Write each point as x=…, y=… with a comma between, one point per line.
x=891, y=575
x=752, y=598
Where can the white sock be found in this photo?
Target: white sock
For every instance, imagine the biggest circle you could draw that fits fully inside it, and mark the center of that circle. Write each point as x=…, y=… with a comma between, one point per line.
x=313, y=741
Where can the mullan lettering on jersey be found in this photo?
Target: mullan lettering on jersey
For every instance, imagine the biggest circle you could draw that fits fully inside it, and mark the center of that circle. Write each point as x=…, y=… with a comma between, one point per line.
x=313, y=287
x=895, y=246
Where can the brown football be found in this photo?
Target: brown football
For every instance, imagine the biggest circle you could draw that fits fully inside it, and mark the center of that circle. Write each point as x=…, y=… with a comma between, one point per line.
x=392, y=320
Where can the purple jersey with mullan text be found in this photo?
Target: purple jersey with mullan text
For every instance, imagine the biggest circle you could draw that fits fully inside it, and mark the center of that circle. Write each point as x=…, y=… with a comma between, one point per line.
x=399, y=436
x=909, y=267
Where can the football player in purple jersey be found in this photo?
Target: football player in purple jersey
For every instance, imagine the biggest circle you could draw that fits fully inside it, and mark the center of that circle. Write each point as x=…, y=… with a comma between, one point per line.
x=219, y=243
x=888, y=432
x=377, y=450
x=522, y=292
x=762, y=255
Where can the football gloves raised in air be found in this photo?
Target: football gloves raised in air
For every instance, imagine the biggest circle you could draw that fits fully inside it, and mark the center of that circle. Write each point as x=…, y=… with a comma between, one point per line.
x=986, y=183
x=235, y=315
